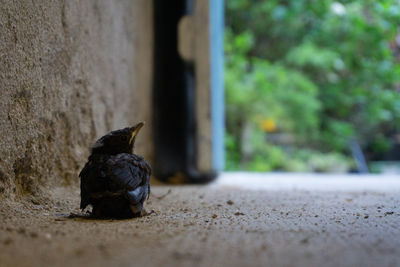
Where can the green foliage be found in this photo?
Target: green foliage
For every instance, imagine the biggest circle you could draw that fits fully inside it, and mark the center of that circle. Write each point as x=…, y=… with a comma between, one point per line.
x=322, y=70
x=258, y=89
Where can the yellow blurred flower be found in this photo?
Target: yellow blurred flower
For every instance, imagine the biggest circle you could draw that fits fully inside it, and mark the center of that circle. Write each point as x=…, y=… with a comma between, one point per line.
x=268, y=125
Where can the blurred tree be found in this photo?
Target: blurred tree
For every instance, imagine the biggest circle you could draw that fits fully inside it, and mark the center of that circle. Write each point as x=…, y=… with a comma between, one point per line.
x=323, y=71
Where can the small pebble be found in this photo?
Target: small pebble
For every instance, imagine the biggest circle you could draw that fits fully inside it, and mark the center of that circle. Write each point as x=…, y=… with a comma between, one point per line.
x=304, y=241
x=34, y=234
x=7, y=241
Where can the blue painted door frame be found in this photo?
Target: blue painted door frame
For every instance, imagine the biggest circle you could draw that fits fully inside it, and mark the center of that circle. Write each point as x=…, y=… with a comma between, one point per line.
x=217, y=82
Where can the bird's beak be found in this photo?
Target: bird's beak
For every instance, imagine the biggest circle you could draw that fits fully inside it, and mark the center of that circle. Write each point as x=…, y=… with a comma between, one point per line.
x=135, y=130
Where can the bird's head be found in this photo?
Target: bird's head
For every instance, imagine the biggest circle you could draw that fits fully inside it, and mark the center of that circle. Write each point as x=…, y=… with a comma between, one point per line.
x=118, y=141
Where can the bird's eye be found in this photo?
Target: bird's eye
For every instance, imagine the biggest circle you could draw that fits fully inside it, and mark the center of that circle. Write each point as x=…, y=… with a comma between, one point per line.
x=124, y=138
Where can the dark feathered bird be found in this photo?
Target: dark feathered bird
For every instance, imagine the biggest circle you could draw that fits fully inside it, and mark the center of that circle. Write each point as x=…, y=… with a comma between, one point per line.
x=115, y=181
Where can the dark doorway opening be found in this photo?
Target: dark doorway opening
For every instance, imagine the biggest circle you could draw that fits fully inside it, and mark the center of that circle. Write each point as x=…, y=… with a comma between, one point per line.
x=174, y=100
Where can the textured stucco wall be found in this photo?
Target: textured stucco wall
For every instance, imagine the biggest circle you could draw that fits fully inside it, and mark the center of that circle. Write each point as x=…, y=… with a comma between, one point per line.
x=69, y=72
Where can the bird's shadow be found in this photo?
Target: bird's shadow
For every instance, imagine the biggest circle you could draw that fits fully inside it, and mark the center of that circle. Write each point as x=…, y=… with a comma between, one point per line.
x=80, y=217
x=88, y=216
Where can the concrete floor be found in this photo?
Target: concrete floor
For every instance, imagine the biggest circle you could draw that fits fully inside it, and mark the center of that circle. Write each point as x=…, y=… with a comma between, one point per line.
x=241, y=220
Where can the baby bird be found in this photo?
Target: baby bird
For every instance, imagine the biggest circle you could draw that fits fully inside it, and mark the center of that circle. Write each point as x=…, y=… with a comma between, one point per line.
x=115, y=181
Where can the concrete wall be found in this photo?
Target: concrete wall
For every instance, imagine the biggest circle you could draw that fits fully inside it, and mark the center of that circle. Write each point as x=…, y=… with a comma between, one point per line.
x=69, y=72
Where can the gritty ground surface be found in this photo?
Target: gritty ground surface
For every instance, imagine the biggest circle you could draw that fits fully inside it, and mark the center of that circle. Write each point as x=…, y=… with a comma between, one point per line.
x=215, y=225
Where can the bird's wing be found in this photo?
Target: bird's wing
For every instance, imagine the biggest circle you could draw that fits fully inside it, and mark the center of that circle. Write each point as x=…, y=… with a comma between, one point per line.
x=93, y=179
x=128, y=171
x=84, y=190
x=89, y=182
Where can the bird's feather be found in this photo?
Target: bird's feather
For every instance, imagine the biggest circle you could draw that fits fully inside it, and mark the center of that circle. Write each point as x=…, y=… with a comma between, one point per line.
x=128, y=171
x=113, y=176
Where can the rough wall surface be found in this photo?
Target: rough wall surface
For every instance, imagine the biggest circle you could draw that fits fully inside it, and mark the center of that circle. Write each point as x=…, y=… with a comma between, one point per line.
x=69, y=72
